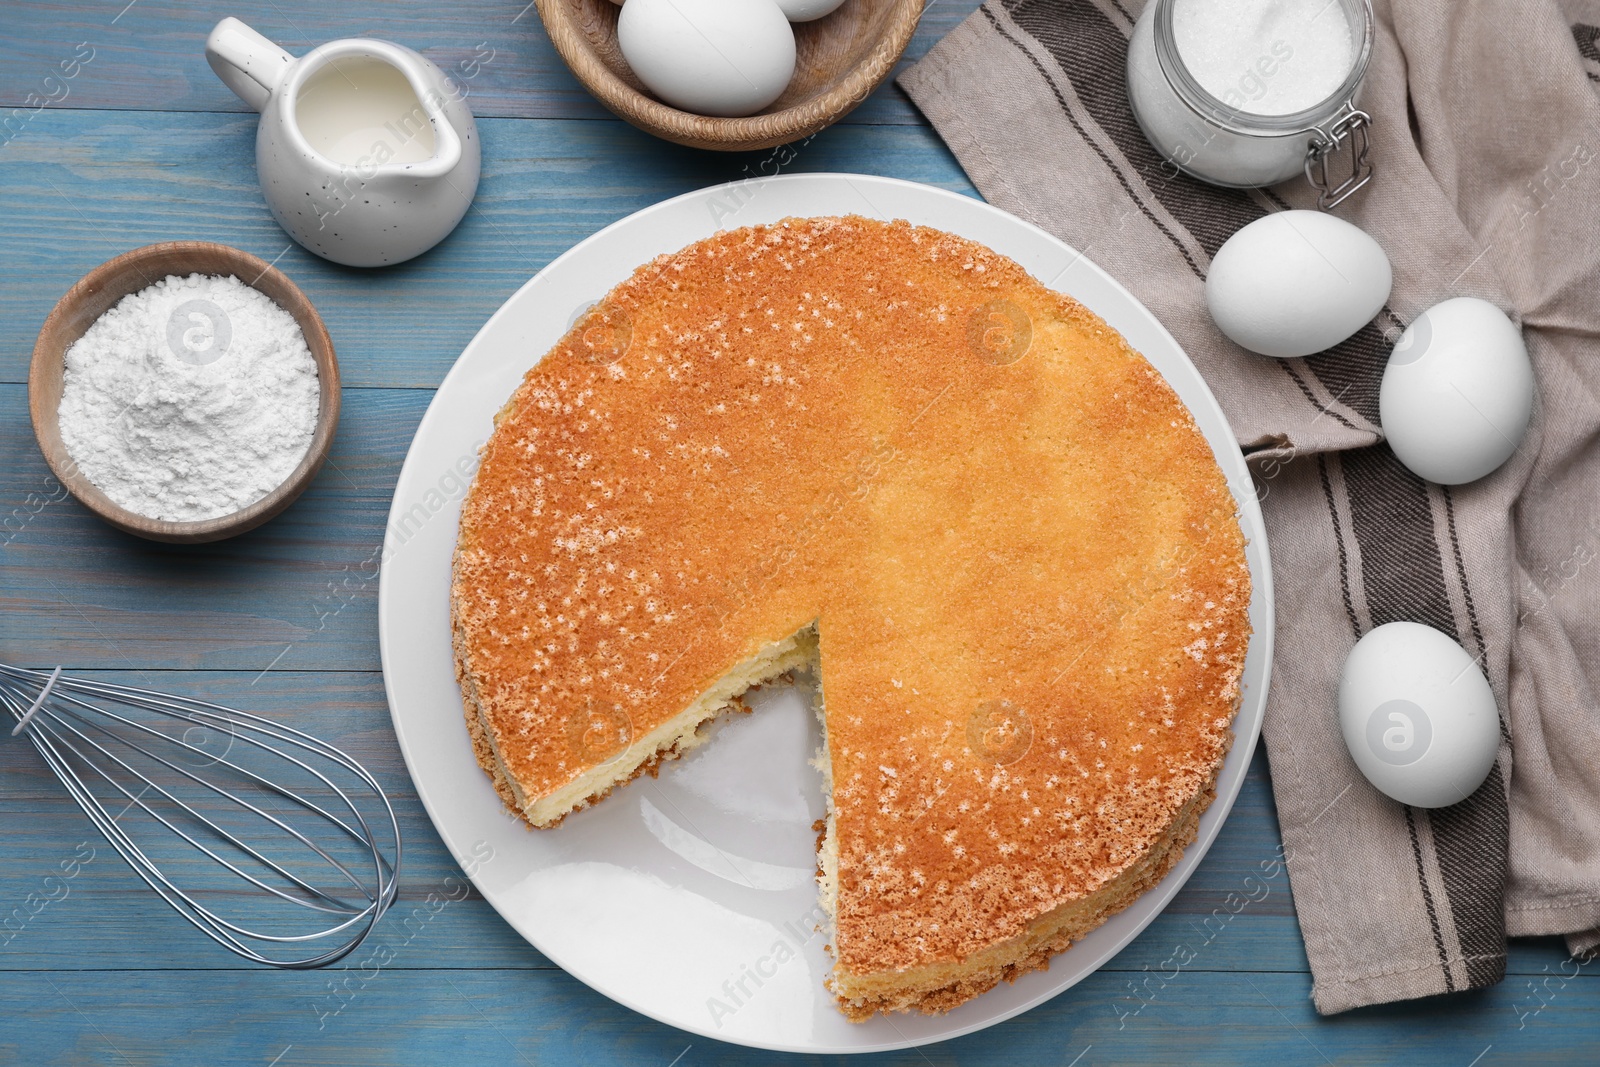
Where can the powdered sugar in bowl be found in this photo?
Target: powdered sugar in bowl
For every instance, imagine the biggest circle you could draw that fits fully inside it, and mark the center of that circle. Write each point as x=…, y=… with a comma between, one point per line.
x=200, y=396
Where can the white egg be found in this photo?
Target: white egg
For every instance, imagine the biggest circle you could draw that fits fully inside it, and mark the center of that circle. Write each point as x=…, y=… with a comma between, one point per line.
x=709, y=57
x=1296, y=282
x=806, y=10
x=1457, y=394
x=1418, y=715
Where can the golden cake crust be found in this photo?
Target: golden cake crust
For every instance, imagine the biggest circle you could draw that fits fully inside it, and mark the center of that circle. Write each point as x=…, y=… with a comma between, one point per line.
x=1022, y=564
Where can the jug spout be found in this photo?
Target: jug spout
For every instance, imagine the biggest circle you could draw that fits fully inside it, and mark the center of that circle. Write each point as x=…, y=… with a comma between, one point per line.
x=247, y=62
x=374, y=109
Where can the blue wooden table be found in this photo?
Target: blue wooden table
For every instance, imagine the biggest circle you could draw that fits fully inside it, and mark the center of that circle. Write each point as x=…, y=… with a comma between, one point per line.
x=144, y=144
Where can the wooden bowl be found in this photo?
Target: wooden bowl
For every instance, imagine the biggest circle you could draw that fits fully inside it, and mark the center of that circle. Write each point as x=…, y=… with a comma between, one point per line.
x=95, y=293
x=839, y=59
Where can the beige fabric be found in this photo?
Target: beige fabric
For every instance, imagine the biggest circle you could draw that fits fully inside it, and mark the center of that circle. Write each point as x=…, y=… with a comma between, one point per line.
x=1486, y=139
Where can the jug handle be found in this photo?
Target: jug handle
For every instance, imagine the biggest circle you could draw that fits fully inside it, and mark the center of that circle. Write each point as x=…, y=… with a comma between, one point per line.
x=247, y=62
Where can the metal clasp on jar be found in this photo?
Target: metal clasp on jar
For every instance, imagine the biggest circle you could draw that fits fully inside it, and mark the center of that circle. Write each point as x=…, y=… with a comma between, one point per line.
x=1348, y=127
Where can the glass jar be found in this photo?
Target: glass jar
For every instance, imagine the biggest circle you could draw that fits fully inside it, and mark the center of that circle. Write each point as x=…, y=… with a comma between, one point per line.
x=1219, y=142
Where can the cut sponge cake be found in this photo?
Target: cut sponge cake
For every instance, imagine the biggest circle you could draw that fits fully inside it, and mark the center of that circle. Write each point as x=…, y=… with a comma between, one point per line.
x=888, y=451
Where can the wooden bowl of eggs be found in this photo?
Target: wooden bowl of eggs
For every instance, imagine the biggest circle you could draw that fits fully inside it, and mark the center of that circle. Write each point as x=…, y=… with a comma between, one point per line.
x=730, y=75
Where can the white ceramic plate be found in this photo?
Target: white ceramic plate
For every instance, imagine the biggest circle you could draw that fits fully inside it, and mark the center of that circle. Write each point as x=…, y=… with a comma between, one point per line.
x=690, y=897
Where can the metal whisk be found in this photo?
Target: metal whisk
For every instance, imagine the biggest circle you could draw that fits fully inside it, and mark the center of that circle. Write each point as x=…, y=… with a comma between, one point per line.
x=299, y=822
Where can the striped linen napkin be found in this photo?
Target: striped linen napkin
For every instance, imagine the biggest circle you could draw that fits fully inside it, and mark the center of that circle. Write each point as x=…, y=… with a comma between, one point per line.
x=1485, y=137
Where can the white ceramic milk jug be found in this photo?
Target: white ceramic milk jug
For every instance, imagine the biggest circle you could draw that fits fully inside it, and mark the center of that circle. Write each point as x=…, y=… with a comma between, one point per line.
x=366, y=151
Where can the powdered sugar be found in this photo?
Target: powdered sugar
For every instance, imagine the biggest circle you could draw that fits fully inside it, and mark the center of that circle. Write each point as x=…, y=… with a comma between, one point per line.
x=190, y=399
x=1265, y=57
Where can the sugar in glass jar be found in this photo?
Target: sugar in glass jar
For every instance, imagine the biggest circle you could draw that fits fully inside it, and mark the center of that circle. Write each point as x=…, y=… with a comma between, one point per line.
x=1251, y=92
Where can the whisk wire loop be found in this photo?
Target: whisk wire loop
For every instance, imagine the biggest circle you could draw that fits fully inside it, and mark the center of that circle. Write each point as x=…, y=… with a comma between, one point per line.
x=208, y=824
x=217, y=760
x=103, y=741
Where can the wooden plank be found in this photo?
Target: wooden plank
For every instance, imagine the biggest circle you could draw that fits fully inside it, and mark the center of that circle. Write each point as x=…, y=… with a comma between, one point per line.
x=396, y=1015
x=151, y=56
x=293, y=593
x=1235, y=914
x=97, y=183
x=348, y=709
x=147, y=145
